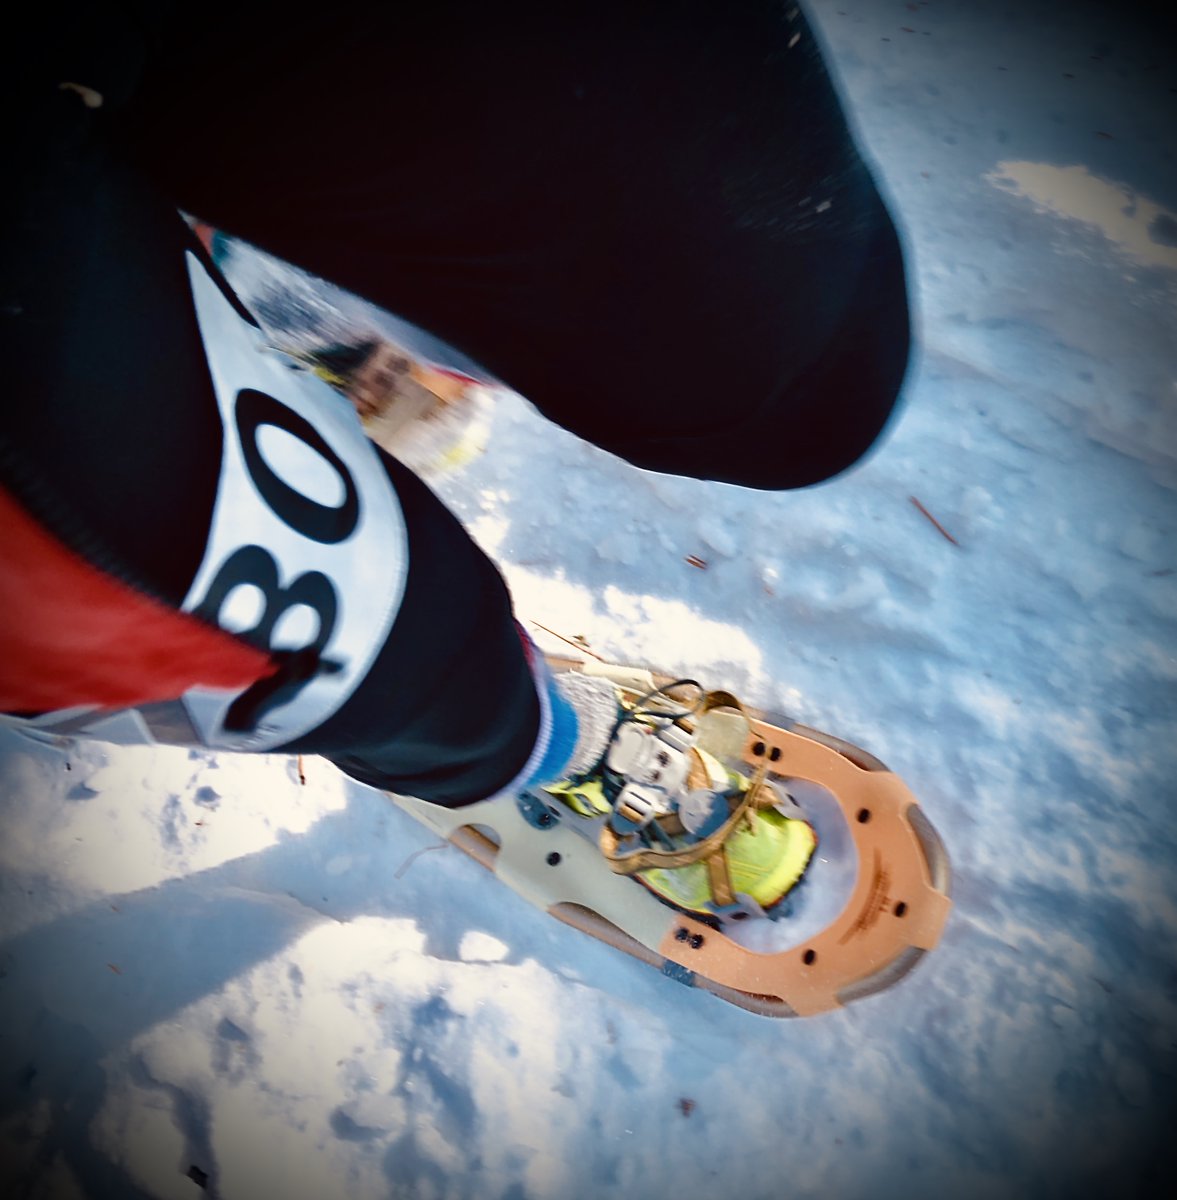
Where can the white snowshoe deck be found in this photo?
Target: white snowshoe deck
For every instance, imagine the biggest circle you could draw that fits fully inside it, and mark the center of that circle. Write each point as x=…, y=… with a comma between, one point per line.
x=882, y=854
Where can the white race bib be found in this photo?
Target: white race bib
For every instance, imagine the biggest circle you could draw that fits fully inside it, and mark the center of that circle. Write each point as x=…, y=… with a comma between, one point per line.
x=307, y=547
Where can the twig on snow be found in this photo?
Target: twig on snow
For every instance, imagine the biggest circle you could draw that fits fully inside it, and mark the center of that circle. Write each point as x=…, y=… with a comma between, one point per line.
x=400, y=871
x=579, y=644
x=931, y=518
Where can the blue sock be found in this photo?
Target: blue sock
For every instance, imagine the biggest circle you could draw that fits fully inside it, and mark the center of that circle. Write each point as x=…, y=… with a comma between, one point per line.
x=562, y=740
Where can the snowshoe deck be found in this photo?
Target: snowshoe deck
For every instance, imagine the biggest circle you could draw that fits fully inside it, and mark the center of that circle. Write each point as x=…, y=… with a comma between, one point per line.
x=876, y=896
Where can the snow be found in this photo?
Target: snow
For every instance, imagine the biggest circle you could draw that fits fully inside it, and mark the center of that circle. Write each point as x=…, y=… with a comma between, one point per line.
x=217, y=976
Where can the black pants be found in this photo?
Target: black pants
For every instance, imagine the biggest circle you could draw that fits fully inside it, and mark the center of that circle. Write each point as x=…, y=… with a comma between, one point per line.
x=591, y=200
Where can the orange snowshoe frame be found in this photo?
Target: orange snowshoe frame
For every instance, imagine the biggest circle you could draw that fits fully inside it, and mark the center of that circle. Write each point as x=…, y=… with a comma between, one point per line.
x=895, y=912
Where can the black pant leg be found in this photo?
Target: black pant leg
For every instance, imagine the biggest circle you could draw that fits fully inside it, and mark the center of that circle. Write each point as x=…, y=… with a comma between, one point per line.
x=651, y=220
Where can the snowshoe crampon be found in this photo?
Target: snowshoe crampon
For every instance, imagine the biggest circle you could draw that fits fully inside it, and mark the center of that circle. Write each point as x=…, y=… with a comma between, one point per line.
x=872, y=902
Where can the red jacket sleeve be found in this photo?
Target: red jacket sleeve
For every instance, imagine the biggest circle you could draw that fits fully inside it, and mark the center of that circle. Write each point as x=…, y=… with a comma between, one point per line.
x=71, y=635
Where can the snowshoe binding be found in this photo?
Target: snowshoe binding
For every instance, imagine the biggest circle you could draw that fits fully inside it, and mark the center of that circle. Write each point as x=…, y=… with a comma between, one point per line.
x=675, y=812
x=780, y=868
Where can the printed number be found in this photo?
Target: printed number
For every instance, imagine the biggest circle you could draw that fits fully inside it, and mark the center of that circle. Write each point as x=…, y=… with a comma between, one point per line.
x=255, y=566
x=319, y=522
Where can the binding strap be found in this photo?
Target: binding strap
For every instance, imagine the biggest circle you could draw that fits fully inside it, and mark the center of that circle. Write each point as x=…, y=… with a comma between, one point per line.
x=626, y=859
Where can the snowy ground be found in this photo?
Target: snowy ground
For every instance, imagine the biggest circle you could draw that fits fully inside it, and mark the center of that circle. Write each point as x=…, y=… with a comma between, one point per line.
x=214, y=975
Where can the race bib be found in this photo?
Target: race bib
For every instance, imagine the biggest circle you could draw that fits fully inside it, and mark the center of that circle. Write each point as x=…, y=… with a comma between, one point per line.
x=307, y=548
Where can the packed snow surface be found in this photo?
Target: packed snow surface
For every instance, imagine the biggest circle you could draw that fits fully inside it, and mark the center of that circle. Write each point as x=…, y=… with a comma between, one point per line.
x=218, y=976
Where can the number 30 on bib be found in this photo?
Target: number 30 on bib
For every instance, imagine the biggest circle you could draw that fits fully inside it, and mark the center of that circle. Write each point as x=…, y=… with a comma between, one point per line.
x=307, y=547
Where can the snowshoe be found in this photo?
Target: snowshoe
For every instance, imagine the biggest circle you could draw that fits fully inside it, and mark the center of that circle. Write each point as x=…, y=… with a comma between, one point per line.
x=780, y=868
